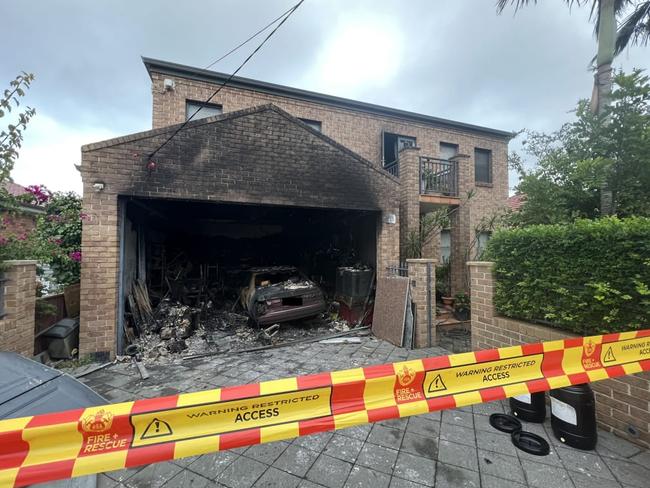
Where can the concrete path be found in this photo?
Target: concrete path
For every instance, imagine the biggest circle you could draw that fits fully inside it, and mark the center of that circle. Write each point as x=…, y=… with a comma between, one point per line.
x=455, y=448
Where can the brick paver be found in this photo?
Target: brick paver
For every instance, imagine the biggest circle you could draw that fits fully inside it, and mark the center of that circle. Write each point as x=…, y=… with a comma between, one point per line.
x=455, y=448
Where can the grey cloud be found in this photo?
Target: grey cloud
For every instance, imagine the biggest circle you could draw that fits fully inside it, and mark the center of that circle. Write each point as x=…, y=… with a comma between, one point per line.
x=461, y=60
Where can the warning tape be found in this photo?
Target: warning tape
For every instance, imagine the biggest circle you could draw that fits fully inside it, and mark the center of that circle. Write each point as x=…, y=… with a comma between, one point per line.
x=123, y=435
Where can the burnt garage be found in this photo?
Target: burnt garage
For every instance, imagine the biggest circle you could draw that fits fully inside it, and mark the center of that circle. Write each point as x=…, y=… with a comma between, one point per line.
x=225, y=198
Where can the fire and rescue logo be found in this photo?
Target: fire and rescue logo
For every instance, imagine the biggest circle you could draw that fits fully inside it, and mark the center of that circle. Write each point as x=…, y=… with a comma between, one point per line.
x=99, y=422
x=406, y=376
x=590, y=360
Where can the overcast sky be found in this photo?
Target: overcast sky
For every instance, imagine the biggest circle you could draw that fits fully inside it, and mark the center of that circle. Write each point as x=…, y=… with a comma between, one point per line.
x=454, y=59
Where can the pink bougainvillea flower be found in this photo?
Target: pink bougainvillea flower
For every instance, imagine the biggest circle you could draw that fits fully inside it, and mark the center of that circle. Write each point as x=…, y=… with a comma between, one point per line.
x=39, y=192
x=3, y=240
x=75, y=256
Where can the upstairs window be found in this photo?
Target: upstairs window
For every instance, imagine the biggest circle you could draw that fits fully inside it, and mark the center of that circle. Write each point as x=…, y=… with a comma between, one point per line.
x=392, y=144
x=448, y=151
x=207, y=109
x=482, y=166
x=314, y=124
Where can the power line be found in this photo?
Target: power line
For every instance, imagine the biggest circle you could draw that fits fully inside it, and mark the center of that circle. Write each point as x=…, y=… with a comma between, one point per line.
x=182, y=126
x=249, y=39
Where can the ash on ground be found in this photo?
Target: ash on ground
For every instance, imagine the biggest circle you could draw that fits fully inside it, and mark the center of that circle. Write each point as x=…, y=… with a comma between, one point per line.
x=179, y=330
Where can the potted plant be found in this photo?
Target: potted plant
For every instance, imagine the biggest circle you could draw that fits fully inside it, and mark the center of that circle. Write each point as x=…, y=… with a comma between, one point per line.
x=447, y=301
x=461, y=307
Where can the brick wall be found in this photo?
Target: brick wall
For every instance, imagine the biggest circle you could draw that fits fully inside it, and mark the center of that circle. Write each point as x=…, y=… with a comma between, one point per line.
x=620, y=402
x=18, y=223
x=361, y=132
x=17, y=325
x=417, y=273
x=258, y=156
x=356, y=130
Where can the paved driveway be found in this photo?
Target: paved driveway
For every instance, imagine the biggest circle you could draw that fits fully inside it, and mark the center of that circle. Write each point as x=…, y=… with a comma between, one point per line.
x=455, y=448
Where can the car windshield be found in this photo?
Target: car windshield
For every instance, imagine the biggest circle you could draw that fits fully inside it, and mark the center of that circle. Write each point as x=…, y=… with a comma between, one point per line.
x=273, y=278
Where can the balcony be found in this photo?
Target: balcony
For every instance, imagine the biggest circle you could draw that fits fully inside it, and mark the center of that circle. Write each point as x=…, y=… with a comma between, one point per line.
x=435, y=180
x=393, y=168
x=438, y=177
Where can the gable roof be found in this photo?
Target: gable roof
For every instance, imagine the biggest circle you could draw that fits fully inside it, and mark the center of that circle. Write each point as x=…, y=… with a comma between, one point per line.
x=174, y=69
x=232, y=115
x=260, y=155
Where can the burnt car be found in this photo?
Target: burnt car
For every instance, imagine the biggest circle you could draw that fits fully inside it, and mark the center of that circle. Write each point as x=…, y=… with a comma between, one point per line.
x=279, y=294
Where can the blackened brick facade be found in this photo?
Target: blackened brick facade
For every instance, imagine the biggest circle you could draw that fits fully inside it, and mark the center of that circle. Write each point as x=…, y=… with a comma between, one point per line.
x=261, y=156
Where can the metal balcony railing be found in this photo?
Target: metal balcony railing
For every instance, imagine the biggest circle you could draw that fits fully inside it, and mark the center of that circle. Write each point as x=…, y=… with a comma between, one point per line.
x=438, y=176
x=393, y=168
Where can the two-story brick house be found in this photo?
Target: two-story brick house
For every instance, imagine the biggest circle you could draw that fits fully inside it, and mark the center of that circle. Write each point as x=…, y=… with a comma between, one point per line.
x=274, y=173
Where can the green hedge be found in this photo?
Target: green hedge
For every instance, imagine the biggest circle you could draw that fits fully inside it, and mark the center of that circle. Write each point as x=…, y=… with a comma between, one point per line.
x=587, y=277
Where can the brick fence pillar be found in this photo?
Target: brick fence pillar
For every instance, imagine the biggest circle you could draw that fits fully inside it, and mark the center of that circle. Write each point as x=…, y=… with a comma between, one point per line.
x=482, y=300
x=417, y=270
x=17, y=324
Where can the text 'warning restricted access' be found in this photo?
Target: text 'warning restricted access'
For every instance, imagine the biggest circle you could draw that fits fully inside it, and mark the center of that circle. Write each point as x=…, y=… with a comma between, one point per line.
x=473, y=377
x=191, y=422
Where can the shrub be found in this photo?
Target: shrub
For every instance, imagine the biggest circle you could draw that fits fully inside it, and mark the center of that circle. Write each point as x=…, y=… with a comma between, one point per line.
x=60, y=231
x=586, y=277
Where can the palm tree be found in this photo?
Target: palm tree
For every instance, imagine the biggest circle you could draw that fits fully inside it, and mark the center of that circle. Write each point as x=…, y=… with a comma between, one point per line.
x=635, y=28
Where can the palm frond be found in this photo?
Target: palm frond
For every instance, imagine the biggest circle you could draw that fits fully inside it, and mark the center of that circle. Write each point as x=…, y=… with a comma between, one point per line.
x=635, y=28
x=502, y=4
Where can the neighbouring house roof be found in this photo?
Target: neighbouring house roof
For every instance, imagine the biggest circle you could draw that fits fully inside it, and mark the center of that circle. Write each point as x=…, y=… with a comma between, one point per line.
x=14, y=188
x=516, y=201
x=18, y=190
x=174, y=69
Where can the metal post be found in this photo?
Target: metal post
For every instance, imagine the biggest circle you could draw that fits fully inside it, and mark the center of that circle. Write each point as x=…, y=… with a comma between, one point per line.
x=429, y=311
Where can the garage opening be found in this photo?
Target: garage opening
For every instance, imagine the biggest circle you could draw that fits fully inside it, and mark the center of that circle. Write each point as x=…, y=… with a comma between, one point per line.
x=200, y=276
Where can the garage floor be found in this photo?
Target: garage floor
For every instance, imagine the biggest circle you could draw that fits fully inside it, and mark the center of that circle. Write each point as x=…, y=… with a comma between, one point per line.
x=455, y=448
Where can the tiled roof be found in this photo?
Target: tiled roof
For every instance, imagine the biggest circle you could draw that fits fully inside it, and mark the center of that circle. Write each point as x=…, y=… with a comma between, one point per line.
x=516, y=201
x=14, y=188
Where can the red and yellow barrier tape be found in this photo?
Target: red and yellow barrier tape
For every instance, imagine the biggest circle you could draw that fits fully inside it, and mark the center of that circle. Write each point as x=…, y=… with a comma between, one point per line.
x=110, y=437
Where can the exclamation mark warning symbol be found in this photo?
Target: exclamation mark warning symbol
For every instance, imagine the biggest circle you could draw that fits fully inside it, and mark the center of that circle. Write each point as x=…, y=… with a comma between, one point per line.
x=437, y=385
x=156, y=428
x=609, y=356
